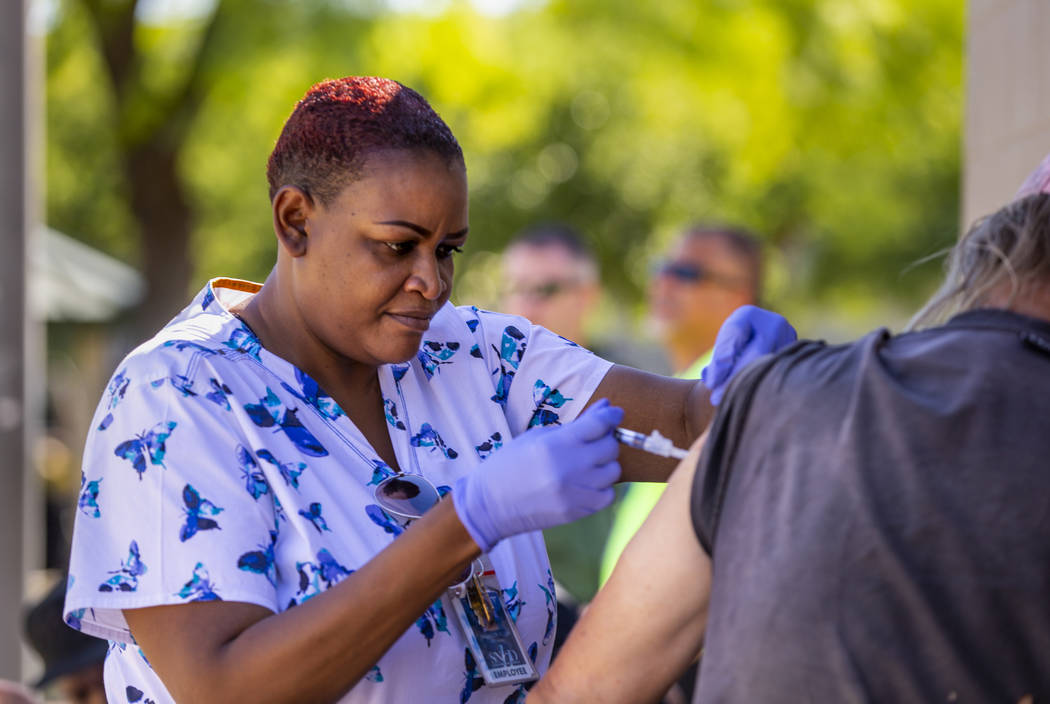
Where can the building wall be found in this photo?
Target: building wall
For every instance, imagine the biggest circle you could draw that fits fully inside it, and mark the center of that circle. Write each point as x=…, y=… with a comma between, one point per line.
x=1007, y=99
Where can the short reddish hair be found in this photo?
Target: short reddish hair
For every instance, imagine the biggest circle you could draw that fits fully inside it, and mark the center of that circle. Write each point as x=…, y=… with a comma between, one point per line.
x=324, y=143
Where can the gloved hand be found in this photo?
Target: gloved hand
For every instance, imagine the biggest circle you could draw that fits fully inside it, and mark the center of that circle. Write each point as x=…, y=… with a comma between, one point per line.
x=542, y=478
x=748, y=333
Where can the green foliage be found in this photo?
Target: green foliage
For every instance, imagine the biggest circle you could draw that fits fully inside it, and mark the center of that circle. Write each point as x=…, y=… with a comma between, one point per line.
x=832, y=127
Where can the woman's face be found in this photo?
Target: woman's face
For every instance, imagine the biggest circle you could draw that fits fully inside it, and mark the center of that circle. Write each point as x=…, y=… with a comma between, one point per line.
x=378, y=260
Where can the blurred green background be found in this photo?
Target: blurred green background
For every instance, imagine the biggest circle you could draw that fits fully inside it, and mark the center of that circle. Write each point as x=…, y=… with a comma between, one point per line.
x=831, y=127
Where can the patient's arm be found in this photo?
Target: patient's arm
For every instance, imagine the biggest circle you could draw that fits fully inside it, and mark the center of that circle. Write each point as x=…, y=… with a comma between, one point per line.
x=647, y=623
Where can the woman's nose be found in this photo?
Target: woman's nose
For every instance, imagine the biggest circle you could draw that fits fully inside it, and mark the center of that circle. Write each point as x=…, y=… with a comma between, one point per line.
x=426, y=277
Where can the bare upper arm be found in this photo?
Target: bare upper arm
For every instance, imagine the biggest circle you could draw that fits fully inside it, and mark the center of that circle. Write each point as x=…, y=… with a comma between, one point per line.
x=181, y=641
x=646, y=624
x=679, y=408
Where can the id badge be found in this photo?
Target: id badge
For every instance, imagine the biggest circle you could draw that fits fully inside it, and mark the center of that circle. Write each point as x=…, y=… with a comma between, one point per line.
x=491, y=635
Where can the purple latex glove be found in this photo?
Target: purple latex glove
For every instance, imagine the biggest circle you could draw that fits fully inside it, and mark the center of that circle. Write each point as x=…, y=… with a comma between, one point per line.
x=748, y=333
x=542, y=478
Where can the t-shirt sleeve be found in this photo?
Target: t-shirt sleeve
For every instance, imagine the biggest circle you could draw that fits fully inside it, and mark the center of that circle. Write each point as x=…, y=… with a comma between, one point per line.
x=539, y=378
x=169, y=511
x=724, y=442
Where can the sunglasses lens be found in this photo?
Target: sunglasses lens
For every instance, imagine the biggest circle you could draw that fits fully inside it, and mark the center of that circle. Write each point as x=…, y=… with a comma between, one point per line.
x=406, y=496
x=681, y=271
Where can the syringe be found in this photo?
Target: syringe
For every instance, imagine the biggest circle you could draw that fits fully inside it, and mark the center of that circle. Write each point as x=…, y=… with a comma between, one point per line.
x=654, y=443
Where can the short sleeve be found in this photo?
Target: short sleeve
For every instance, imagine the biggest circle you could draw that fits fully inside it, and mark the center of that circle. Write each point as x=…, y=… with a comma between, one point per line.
x=539, y=378
x=167, y=513
x=724, y=441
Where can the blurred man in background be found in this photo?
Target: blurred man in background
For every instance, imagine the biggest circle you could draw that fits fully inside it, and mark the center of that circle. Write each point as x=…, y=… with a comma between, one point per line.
x=710, y=271
x=551, y=277
x=73, y=662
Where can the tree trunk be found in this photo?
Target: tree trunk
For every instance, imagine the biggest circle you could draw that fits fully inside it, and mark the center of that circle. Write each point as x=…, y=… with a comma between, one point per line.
x=160, y=206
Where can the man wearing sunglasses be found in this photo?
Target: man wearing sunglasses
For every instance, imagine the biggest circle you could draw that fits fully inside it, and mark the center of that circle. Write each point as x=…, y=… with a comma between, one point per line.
x=710, y=271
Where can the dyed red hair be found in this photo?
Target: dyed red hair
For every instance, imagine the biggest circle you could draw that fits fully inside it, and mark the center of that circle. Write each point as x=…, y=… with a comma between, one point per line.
x=338, y=123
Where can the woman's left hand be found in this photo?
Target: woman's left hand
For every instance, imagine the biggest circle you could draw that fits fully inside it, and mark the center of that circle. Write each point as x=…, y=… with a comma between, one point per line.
x=542, y=478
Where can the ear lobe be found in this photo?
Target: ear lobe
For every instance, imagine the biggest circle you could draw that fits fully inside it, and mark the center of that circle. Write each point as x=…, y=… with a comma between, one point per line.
x=292, y=208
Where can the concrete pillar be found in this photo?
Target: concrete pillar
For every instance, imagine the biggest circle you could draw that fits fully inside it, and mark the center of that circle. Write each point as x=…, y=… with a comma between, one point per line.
x=1007, y=99
x=15, y=205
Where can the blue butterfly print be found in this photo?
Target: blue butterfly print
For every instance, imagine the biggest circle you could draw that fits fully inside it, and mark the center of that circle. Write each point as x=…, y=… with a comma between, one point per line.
x=327, y=570
x=511, y=351
x=183, y=384
x=254, y=480
x=147, y=444
x=382, y=519
x=118, y=386
x=261, y=561
x=432, y=618
x=518, y=696
x=278, y=511
x=475, y=351
x=428, y=437
x=374, y=675
x=315, y=517
x=473, y=323
x=195, y=509
x=88, y=500
x=391, y=414
x=512, y=600
x=209, y=296
x=432, y=355
x=182, y=345
x=265, y=415
x=546, y=399
x=473, y=681
x=242, y=340
x=399, y=371
x=313, y=395
x=135, y=695
x=73, y=618
x=443, y=490
x=199, y=587
x=380, y=471
x=491, y=444
x=126, y=579
x=219, y=392
x=290, y=471
x=551, y=602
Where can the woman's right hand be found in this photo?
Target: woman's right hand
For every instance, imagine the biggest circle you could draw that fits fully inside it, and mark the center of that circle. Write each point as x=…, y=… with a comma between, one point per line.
x=542, y=478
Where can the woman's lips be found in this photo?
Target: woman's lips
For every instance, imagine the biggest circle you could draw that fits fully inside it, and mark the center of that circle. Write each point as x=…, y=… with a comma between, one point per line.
x=418, y=322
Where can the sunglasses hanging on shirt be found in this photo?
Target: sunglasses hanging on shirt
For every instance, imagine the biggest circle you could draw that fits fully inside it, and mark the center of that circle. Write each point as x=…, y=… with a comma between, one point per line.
x=476, y=596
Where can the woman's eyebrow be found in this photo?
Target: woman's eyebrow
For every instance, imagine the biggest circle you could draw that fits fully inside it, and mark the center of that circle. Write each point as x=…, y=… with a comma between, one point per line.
x=419, y=228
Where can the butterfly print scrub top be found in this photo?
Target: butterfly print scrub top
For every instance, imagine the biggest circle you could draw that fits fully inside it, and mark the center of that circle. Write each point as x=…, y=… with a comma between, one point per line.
x=216, y=470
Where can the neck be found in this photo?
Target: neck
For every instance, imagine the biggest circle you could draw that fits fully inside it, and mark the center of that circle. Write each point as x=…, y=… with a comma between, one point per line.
x=273, y=317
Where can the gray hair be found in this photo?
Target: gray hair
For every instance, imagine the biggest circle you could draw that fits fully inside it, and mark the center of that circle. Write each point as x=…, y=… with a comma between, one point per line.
x=1009, y=247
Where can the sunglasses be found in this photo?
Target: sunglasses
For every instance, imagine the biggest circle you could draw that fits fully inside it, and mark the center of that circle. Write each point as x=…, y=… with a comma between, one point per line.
x=545, y=290
x=688, y=272
x=406, y=497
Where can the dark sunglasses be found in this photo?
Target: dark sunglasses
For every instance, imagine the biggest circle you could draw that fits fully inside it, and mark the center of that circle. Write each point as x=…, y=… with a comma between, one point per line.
x=406, y=497
x=688, y=272
x=546, y=290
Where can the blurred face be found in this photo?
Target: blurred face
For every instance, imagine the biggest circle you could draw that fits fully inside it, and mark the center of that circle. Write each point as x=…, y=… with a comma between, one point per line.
x=83, y=686
x=377, y=262
x=550, y=287
x=694, y=290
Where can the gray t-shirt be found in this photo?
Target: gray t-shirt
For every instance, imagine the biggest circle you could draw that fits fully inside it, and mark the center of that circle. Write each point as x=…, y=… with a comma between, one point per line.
x=878, y=516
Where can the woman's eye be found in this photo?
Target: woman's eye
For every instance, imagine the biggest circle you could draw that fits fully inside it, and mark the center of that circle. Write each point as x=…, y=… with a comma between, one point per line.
x=400, y=247
x=447, y=250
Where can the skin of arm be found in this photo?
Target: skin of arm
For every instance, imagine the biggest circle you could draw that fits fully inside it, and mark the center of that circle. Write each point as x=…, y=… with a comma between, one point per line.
x=315, y=652
x=647, y=623
x=679, y=408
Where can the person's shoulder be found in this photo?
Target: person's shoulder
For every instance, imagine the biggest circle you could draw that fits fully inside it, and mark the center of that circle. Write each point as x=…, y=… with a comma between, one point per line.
x=206, y=335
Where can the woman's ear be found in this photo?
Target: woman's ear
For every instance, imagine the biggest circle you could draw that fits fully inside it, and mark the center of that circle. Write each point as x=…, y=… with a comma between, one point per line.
x=292, y=208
